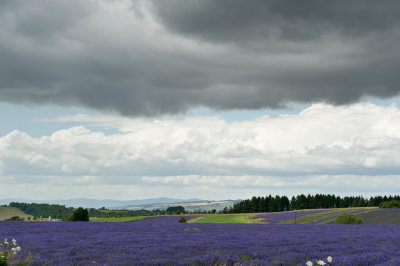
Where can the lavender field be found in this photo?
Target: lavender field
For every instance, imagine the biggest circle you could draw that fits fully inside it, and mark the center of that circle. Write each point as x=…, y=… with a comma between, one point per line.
x=320, y=216
x=162, y=240
x=278, y=217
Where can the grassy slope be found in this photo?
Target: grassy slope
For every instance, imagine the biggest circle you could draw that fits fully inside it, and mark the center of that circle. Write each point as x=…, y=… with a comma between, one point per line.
x=332, y=221
x=248, y=218
x=312, y=218
x=381, y=216
x=376, y=216
x=8, y=212
x=321, y=215
x=118, y=219
x=227, y=218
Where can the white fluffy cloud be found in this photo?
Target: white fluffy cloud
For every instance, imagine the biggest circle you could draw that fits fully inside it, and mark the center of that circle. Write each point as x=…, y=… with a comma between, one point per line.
x=323, y=148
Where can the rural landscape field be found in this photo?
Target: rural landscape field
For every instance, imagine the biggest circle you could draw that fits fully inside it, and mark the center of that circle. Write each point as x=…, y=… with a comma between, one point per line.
x=164, y=241
x=199, y=132
x=272, y=238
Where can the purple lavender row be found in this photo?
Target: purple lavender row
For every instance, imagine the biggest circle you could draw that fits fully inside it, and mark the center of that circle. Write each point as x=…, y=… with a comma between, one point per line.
x=162, y=240
x=276, y=217
x=335, y=216
x=332, y=214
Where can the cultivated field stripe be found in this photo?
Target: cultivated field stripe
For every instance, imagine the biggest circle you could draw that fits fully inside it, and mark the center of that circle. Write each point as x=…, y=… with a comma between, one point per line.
x=355, y=213
x=321, y=215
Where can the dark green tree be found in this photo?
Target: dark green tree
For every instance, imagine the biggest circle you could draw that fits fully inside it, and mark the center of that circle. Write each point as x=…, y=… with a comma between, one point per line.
x=285, y=203
x=175, y=209
x=80, y=214
x=15, y=218
x=182, y=220
x=390, y=204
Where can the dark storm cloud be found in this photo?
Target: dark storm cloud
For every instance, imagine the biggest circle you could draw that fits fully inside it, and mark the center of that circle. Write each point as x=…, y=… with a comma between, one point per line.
x=112, y=55
x=248, y=21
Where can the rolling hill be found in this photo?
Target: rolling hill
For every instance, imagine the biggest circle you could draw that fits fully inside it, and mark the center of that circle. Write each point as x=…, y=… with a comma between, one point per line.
x=188, y=205
x=8, y=212
x=98, y=203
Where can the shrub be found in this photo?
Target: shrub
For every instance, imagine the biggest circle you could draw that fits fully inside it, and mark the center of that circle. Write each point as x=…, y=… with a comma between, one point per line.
x=348, y=219
x=80, y=214
x=175, y=209
x=182, y=220
x=67, y=218
x=390, y=204
x=3, y=261
x=15, y=218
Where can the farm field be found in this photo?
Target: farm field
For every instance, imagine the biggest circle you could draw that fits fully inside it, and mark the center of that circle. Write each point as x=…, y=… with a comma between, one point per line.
x=162, y=240
x=226, y=218
x=8, y=212
x=382, y=216
x=118, y=219
x=319, y=216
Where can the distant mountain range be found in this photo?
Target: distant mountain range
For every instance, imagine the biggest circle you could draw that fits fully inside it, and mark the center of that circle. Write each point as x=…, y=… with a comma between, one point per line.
x=107, y=203
x=202, y=205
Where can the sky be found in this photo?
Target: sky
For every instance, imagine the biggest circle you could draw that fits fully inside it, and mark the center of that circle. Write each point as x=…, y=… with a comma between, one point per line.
x=134, y=99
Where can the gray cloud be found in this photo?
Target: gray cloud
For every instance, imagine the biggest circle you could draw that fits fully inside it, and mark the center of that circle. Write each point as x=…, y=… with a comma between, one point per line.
x=148, y=58
x=249, y=21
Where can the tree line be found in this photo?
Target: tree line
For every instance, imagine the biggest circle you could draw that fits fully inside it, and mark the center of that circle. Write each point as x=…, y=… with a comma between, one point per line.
x=62, y=212
x=43, y=209
x=318, y=201
x=65, y=213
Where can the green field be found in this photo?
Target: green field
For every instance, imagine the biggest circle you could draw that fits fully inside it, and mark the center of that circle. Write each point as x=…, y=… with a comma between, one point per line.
x=381, y=216
x=392, y=216
x=355, y=214
x=8, y=212
x=312, y=218
x=226, y=218
x=249, y=218
x=118, y=219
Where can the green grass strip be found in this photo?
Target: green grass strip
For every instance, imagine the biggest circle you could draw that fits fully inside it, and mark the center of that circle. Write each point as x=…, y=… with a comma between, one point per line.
x=341, y=212
x=333, y=219
x=118, y=219
x=308, y=217
x=318, y=215
x=236, y=218
x=324, y=217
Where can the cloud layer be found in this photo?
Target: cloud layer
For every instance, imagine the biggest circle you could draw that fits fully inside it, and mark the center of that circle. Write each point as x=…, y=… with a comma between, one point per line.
x=144, y=57
x=348, y=149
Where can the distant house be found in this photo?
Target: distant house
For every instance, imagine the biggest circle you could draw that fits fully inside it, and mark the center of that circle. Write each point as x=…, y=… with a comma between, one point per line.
x=48, y=219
